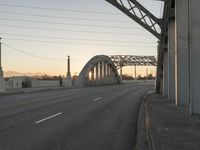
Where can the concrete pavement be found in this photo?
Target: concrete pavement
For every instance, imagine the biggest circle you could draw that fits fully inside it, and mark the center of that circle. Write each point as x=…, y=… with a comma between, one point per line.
x=97, y=118
x=167, y=127
x=31, y=90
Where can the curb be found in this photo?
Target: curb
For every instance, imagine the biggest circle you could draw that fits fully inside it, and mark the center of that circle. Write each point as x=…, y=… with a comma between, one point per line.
x=32, y=91
x=148, y=127
x=144, y=138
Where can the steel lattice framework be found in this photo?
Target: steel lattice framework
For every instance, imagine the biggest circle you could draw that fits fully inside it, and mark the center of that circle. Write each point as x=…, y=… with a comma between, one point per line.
x=140, y=14
x=131, y=60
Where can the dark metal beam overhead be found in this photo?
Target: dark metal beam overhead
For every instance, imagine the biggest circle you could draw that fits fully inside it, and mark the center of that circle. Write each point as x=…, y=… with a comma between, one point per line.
x=140, y=14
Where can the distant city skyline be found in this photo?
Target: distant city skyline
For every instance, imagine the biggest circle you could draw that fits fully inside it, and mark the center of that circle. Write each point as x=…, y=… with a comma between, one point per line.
x=37, y=36
x=126, y=71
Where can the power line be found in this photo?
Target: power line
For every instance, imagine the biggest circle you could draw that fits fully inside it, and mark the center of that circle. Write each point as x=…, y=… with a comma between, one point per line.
x=55, y=9
x=64, y=23
x=63, y=17
x=76, y=43
x=75, y=39
x=161, y=9
x=78, y=31
x=33, y=55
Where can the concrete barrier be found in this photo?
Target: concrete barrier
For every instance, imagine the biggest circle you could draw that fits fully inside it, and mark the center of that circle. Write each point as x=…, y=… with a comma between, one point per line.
x=45, y=83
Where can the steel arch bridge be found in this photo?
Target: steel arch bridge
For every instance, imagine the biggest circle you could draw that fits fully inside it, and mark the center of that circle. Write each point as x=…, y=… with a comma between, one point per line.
x=99, y=70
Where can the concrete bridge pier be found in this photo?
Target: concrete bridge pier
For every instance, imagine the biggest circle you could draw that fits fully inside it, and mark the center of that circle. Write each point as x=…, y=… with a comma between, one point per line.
x=108, y=74
x=105, y=73
x=96, y=73
x=181, y=52
x=92, y=77
x=112, y=76
x=101, y=73
x=194, y=56
x=165, y=72
x=171, y=59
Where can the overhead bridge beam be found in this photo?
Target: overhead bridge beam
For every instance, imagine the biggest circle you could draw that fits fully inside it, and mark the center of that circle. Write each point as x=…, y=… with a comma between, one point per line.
x=140, y=14
x=131, y=60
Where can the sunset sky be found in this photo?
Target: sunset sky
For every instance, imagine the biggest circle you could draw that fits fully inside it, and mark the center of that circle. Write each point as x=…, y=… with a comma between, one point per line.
x=37, y=35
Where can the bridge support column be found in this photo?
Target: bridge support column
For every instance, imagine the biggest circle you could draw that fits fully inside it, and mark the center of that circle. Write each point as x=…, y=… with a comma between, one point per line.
x=105, y=73
x=97, y=73
x=194, y=56
x=121, y=71
x=108, y=74
x=112, y=76
x=171, y=59
x=92, y=76
x=165, y=72
x=101, y=73
x=181, y=52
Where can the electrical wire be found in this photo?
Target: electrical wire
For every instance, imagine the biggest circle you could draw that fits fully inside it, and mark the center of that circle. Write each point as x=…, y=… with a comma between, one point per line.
x=161, y=9
x=77, y=31
x=56, y=9
x=76, y=43
x=74, y=39
x=71, y=24
x=32, y=55
x=63, y=17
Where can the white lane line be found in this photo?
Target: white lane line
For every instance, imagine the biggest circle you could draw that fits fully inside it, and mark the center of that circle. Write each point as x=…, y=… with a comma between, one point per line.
x=97, y=99
x=39, y=121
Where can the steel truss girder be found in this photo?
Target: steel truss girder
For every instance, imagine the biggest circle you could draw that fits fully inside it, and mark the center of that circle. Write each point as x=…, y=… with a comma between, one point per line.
x=140, y=14
x=131, y=60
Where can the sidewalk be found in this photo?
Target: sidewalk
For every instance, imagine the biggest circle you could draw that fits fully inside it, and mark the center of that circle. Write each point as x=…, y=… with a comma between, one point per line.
x=166, y=126
x=31, y=90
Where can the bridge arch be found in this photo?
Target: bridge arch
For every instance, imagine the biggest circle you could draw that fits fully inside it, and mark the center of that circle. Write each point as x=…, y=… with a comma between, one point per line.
x=99, y=70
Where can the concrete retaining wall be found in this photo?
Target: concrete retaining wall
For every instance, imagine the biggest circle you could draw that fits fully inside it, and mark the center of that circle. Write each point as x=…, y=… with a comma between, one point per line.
x=42, y=83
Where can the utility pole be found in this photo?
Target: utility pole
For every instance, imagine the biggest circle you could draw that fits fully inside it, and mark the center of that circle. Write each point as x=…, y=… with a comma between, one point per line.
x=68, y=67
x=2, y=82
x=0, y=59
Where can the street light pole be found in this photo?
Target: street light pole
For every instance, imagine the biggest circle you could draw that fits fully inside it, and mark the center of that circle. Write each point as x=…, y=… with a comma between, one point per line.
x=1, y=71
x=2, y=82
x=0, y=55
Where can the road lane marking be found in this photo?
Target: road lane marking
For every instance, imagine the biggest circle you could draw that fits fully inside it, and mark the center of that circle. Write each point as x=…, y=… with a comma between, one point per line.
x=52, y=116
x=97, y=99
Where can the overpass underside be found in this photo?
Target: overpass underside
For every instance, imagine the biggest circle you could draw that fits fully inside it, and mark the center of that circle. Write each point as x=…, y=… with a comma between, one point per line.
x=178, y=70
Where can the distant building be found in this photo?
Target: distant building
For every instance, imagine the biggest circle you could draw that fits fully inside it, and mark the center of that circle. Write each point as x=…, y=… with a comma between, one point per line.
x=29, y=82
x=15, y=82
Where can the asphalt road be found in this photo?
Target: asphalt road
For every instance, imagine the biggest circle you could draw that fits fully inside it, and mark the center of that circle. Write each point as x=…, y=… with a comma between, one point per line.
x=98, y=118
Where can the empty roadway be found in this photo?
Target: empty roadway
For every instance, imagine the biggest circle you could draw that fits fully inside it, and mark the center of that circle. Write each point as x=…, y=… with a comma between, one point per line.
x=95, y=118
